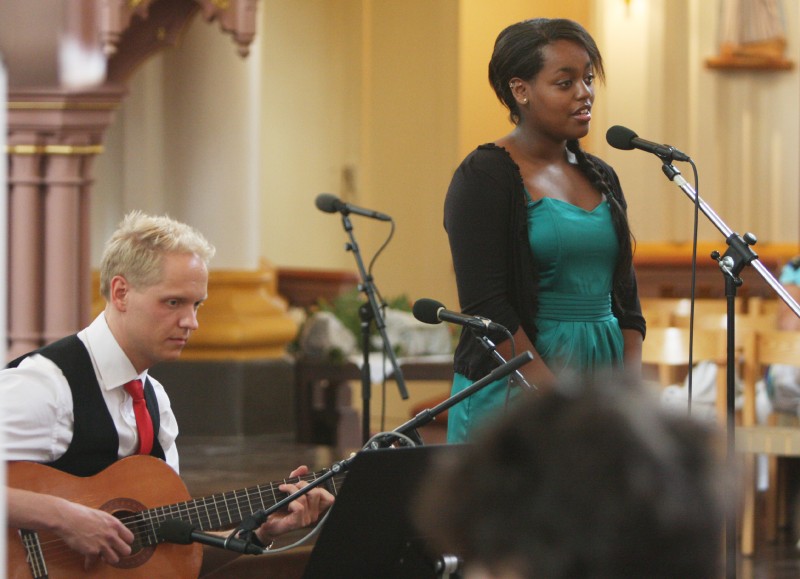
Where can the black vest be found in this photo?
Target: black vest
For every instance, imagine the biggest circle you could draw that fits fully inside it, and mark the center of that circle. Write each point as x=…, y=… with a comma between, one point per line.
x=95, y=442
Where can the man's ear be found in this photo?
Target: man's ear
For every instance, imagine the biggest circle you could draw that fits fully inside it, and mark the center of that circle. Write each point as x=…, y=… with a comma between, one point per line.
x=120, y=288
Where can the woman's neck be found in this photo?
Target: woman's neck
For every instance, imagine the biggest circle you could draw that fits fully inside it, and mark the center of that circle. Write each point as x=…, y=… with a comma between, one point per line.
x=534, y=147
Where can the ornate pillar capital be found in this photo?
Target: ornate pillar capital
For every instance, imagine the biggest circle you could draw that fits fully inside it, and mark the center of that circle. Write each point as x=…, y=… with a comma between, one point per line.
x=53, y=117
x=235, y=17
x=134, y=30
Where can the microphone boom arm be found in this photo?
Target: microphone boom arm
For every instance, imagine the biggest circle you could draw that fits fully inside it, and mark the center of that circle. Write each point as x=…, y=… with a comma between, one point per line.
x=739, y=248
x=258, y=518
x=517, y=375
x=501, y=371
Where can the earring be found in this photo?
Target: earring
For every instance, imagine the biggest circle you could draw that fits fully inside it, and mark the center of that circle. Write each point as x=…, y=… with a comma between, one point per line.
x=525, y=101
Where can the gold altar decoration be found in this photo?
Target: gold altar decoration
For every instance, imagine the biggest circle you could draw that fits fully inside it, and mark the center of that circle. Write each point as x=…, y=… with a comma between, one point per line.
x=244, y=318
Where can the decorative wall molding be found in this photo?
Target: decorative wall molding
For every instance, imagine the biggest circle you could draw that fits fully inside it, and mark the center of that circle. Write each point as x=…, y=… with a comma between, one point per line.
x=235, y=17
x=134, y=30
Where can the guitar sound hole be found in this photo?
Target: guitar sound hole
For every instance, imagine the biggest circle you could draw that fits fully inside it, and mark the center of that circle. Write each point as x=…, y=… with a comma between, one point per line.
x=143, y=545
x=138, y=540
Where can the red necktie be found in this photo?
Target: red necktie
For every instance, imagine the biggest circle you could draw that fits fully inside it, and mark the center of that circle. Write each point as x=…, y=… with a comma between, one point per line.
x=144, y=424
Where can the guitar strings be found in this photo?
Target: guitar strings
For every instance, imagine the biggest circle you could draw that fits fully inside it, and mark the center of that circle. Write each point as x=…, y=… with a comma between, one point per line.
x=206, y=511
x=142, y=525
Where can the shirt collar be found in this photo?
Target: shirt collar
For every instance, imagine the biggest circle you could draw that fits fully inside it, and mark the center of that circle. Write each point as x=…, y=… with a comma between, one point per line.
x=112, y=366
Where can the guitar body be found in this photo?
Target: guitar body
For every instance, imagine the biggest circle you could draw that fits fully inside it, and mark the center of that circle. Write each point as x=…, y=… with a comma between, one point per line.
x=133, y=484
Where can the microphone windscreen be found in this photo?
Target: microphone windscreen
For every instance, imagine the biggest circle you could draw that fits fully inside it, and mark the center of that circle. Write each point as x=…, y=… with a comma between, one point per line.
x=620, y=137
x=427, y=310
x=327, y=203
x=175, y=531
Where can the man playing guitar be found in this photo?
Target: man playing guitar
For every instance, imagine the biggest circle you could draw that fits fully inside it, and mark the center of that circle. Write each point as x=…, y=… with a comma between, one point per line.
x=68, y=406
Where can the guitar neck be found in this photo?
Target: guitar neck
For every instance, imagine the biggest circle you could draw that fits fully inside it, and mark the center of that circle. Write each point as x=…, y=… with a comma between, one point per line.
x=223, y=510
x=118, y=490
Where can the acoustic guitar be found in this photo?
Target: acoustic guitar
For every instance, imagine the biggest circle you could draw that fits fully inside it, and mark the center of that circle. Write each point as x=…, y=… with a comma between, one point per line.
x=131, y=489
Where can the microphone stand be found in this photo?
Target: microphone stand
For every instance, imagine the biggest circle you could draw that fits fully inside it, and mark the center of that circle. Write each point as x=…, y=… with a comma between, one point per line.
x=254, y=521
x=427, y=415
x=738, y=255
x=368, y=313
x=518, y=378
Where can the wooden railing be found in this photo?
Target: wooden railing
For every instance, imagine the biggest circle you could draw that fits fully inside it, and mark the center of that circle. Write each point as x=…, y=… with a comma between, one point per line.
x=664, y=269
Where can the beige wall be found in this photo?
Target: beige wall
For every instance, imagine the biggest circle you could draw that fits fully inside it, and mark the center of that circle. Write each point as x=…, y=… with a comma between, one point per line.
x=186, y=143
x=395, y=94
x=311, y=127
x=742, y=128
x=410, y=128
x=483, y=118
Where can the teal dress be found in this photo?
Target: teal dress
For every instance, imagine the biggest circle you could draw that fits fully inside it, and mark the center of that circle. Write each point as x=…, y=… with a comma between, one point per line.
x=576, y=253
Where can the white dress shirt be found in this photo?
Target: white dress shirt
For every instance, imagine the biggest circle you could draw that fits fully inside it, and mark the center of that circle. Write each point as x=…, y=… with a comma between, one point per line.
x=36, y=402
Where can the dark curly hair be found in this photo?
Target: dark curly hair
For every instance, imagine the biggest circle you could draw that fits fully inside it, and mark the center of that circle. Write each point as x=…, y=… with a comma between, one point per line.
x=592, y=480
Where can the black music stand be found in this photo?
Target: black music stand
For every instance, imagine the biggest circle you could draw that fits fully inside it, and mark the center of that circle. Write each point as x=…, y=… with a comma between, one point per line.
x=368, y=533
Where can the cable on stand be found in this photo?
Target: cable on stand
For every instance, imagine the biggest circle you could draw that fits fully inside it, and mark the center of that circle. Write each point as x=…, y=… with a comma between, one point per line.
x=370, y=312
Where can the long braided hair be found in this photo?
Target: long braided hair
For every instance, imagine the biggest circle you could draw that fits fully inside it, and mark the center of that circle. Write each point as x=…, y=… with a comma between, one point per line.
x=618, y=217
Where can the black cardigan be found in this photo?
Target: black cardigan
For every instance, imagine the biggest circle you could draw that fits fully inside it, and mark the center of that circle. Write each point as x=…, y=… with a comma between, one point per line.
x=485, y=217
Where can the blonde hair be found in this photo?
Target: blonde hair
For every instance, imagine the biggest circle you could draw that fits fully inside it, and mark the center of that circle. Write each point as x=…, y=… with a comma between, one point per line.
x=136, y=248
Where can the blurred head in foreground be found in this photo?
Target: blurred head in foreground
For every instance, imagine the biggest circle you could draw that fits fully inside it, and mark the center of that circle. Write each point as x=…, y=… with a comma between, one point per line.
x=584, y=481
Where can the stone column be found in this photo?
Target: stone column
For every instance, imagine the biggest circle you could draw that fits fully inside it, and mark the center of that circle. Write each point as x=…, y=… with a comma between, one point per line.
x=25, y=244
x=52, y=138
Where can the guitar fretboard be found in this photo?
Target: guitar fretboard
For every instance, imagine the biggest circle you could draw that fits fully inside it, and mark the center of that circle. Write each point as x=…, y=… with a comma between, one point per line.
x=219, y=511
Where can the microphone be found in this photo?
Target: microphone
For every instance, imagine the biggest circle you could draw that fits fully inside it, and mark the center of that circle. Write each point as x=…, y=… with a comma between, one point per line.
x=433, y=312
x=625, y=139
x=331, y=204
x=183, y=533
